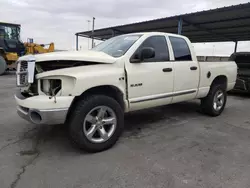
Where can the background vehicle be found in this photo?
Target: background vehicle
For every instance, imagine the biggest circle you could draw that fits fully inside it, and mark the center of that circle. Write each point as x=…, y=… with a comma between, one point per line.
x=242, y=60
x=90, y=91
x=11, y=46
x=33, y=48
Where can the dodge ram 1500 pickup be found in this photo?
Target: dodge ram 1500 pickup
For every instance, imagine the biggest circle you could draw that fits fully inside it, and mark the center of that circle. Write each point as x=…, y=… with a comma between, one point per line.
x=90, y=91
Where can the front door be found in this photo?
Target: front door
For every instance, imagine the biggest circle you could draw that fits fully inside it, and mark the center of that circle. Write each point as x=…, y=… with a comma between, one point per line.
x=150, y=83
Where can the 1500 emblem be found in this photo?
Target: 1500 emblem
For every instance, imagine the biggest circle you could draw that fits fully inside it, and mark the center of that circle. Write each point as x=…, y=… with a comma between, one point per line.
x=136, y=85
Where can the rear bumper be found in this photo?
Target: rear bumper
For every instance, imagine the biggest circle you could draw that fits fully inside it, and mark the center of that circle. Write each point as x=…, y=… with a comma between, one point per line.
x=42, y=109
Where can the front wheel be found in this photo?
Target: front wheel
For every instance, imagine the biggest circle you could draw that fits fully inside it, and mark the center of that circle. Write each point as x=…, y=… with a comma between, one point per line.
x=215, y=101
x=96, y=123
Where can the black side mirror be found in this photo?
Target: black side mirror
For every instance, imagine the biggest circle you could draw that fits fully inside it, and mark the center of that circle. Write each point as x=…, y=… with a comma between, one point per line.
x=144, y=53
x=147, y=53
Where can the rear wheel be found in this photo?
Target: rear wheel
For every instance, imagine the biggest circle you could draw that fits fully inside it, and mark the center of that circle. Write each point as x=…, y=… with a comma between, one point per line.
x=96, y=123
x=215, y=101
x=3, y=65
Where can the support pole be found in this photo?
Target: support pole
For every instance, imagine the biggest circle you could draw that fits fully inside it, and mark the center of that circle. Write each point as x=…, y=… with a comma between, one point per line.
x=113, y=32
x=76, y=42
x=88, y=30
x=93, y=28
x=235, y=47
x=180, y=26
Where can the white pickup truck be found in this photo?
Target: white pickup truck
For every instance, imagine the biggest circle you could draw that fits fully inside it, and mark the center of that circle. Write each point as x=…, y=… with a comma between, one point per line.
x=91, y=90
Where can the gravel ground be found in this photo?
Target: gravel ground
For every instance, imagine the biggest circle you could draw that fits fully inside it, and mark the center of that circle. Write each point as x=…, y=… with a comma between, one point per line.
x=173, y=146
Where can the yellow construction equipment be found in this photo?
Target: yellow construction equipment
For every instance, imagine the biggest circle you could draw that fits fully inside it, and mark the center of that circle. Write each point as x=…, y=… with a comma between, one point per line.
x=33, y=48
x=11, y=47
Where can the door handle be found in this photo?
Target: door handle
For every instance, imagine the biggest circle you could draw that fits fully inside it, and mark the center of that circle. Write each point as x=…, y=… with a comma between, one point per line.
x=193, y=68
x=167, y=70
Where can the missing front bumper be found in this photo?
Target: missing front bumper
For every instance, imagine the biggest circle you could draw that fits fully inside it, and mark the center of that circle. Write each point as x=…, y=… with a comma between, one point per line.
x=42, y=109
x=48, y=117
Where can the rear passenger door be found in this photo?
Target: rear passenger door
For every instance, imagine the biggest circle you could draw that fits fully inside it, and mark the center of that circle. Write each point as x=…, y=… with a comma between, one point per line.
x=186, y=77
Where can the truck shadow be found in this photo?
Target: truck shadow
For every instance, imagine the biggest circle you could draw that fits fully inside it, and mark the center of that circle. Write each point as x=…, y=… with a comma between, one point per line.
x=240, y=94
x=55, y=138
x=155, y=118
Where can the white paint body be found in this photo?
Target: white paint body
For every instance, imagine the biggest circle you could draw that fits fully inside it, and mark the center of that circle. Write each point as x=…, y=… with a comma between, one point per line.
x=158, y=87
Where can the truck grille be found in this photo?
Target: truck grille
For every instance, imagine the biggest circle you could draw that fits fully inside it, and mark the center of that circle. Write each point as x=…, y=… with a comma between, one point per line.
x=22, y=73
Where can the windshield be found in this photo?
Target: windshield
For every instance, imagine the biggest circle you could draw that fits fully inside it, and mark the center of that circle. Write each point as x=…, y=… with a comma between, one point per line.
x=9, y=32
x=117, y=46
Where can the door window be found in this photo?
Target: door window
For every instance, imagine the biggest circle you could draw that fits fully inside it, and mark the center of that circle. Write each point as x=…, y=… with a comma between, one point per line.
x=181, y=49
x=159, y=44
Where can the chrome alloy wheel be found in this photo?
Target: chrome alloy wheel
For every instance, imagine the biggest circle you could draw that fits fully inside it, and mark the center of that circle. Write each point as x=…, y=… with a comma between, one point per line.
x=219, y=100
x=99, y=124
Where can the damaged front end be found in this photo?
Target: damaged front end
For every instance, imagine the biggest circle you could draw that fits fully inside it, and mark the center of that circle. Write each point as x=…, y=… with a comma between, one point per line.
x=42, y=99
x=25, y=76
x=29, y=70
x=46, y=93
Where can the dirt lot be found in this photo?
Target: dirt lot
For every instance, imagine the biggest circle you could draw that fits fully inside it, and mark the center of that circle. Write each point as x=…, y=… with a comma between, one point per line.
x=173, y=146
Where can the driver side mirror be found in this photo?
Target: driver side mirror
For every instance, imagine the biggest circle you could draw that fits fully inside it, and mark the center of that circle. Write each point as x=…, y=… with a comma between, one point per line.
x=144, y=53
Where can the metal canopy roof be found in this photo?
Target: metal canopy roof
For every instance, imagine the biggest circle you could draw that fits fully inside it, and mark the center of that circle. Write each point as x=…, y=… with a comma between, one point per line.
x=217, y=25
x=9, y=24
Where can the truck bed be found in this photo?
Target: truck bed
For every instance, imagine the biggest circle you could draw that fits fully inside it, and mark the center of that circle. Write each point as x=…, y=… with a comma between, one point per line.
x=227, y=68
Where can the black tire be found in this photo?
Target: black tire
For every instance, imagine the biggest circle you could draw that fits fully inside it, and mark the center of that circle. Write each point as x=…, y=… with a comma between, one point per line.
x=3, y=65
x=207, y=103
x=77, y=117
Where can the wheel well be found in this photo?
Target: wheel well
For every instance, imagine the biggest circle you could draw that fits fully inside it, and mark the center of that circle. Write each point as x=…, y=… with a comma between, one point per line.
x=220, y=80
x=107, y=90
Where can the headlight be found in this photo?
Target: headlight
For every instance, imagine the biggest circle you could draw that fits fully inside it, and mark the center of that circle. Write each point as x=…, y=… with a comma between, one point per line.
x=51, y=87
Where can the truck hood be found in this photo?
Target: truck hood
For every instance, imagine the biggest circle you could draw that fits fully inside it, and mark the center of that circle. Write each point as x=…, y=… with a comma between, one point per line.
x=87, y=56
x=89, y=70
